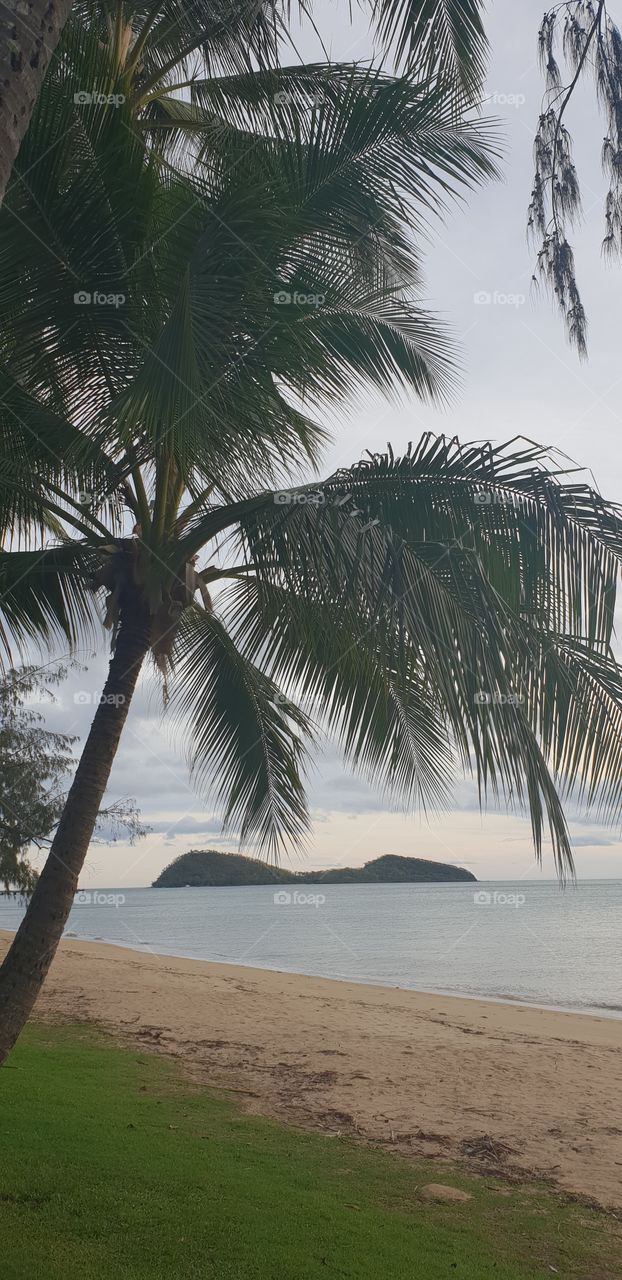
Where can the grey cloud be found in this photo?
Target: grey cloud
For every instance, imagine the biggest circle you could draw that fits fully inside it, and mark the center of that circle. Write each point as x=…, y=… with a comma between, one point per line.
x=187, y=826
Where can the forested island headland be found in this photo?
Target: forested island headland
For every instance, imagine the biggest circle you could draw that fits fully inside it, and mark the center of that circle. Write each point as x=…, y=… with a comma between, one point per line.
x=201, y=868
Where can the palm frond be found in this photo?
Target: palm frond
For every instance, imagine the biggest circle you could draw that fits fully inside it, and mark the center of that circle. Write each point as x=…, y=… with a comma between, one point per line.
x=45, y=596
x=49, y=463
x=356, y=680
x=488, y=568
x=445, y=37
x=247, y=753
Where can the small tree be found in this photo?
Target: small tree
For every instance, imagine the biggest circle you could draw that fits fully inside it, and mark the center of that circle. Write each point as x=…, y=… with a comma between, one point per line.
x=35, y=766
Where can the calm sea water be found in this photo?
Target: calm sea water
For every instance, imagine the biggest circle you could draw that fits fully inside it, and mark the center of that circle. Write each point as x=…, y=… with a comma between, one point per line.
x=527, y=941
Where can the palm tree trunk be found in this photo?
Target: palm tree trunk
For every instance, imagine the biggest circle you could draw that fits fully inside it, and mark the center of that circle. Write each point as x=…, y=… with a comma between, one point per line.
x=29, y=33
x=30, y=956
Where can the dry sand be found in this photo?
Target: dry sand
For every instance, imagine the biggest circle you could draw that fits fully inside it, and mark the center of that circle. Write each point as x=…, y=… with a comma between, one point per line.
x=497, y=1086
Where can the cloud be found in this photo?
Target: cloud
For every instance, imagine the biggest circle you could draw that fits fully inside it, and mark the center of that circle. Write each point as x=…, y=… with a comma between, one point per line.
x=187, y=825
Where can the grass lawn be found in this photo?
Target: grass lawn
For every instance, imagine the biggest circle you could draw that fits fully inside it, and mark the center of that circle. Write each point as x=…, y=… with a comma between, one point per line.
x=113, y=1167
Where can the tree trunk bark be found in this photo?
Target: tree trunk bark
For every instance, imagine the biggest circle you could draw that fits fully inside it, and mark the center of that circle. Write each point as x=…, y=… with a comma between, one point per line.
x=30, y=956
x=29, y=33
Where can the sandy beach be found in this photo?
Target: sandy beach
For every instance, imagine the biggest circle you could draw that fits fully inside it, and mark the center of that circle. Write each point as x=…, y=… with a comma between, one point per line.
x=500, y=1087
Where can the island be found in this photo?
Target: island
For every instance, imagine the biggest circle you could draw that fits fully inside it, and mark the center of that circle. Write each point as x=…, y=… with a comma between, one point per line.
x=200, y=868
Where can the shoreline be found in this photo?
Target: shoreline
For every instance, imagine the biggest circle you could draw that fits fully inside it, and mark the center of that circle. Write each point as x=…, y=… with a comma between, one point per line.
x=502, y=1088
x=145, y=948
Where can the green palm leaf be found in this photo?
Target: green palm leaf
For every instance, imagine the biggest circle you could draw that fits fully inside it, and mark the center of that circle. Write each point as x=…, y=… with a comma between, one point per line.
x=442, y=36
x=248, y=753
x=45, y=596
x=198, y=353
x=494, y=576
x=358, y=682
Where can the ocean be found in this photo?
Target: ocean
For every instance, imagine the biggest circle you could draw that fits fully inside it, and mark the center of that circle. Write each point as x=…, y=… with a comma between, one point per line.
x=527, y=941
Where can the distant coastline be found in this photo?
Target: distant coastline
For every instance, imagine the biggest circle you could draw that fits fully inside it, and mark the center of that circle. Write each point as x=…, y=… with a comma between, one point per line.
x=202, y=868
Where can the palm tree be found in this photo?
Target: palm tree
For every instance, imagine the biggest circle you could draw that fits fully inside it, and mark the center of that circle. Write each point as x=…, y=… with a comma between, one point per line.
x=183, y=284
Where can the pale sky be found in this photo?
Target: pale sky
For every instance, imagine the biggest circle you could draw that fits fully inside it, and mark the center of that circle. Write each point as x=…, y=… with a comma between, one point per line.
x=520, y=377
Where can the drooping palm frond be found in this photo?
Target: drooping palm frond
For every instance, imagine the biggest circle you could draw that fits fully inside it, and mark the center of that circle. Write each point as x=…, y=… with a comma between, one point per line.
x=243, y=750
x=49, y=466
x=575, y=706
x=492, y=573
x=45, y=596
x=358, y=682
x=411, y=140
x=445, y=37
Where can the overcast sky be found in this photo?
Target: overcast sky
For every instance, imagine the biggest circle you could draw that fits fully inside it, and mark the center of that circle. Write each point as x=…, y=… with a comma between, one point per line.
x=520, y=377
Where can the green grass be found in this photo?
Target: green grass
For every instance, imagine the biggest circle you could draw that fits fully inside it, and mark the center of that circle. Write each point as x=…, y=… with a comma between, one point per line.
x=112, y=1167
